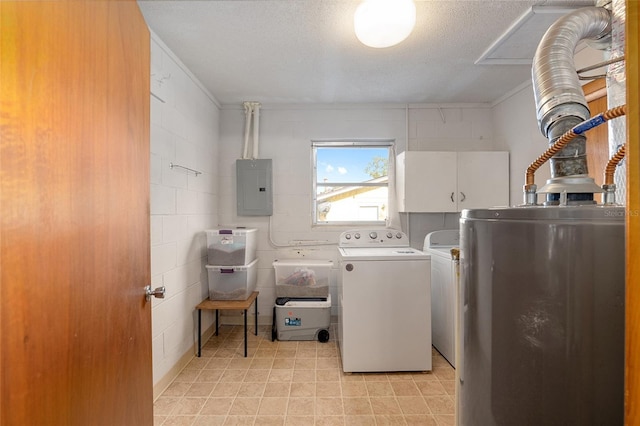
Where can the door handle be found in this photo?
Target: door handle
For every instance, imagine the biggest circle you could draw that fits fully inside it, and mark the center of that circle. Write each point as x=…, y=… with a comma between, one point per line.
x=452, y=197
x=464, y=197
x=157, y=293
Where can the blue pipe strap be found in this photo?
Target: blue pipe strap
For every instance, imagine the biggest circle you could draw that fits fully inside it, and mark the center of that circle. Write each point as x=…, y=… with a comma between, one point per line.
x=589, y=124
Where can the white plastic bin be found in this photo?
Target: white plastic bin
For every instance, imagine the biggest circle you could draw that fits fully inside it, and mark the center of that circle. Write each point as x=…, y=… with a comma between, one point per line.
x=302, y=277
x=231, y=246
x=232, y=282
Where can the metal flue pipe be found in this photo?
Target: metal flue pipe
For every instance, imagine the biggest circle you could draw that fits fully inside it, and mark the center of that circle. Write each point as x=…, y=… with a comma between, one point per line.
x=560, y=101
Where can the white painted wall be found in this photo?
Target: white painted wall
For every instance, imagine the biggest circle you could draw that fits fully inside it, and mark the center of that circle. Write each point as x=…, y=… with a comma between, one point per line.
x=516, y=130
x=459, y=127
x=184, y=131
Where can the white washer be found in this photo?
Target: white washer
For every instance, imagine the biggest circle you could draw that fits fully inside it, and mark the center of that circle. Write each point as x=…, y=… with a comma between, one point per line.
x=444, y=283
x=384, y=318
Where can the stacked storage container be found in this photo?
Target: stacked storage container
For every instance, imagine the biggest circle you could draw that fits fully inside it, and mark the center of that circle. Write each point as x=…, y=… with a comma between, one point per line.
x=231, y=263
x=303, y=303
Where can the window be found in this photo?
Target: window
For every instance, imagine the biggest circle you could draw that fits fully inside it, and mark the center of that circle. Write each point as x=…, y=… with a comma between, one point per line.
x=351, y=182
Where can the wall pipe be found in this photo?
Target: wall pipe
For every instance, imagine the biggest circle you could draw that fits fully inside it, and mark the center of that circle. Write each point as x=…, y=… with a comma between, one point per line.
x=251, y=108
x=256, y=128
x=247, y=127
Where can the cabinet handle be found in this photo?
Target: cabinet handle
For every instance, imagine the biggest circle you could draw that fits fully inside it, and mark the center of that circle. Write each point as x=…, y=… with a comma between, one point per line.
x=464, y=197
x=452, y=197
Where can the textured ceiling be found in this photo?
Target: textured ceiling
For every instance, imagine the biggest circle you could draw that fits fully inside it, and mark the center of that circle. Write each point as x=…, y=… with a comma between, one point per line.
x=305, y=51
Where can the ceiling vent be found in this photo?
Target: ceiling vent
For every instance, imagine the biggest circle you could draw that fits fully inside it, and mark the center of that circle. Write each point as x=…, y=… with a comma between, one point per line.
x=518, y=44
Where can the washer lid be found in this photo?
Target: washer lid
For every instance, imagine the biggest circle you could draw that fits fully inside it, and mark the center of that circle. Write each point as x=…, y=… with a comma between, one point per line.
x=446, y=238
x=381, y=253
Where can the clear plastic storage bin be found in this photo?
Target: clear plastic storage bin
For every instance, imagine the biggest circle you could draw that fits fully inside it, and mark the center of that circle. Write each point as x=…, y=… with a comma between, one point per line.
x=232, y=282
x=231, y=246
x=302, y=277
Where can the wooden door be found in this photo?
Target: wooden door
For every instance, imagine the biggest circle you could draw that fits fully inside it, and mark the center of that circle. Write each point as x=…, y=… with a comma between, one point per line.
x=598, y=137
x=74, y=237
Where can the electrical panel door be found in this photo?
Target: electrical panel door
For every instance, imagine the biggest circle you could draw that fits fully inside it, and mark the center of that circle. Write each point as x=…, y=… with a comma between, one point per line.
x=254, y=187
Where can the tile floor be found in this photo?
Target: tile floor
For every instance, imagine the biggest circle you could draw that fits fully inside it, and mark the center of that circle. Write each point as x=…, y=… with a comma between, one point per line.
x=299, y=384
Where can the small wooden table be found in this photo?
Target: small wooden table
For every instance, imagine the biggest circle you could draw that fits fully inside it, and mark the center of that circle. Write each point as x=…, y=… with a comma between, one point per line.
x=228, y=305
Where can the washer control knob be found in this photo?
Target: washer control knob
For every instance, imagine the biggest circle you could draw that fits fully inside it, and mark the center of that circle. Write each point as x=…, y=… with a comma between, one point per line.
x=399, y=235
x=347, y=237
x=389, y=235
x=357, y=235
x=373, y=235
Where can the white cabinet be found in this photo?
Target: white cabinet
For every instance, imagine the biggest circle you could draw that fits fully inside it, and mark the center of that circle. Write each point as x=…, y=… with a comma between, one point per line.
x=430, y=181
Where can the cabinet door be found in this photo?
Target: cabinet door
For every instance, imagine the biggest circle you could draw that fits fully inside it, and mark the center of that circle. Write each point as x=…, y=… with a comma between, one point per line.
x=483, y=179
x=427, y=181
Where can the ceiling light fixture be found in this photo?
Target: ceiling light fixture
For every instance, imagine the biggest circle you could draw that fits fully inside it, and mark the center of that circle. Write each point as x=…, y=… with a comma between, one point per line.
x=384, y=23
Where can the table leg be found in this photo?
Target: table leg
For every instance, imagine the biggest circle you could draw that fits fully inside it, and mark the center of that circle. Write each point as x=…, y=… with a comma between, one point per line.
x=199, y=332
x=245, y=333
x=216, y=322
x=256, y=315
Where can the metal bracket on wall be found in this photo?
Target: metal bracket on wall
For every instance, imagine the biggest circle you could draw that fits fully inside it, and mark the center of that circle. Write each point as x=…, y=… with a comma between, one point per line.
x=171, y=166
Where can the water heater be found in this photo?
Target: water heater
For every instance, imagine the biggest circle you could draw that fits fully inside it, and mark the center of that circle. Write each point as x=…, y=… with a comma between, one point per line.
x=541, y=315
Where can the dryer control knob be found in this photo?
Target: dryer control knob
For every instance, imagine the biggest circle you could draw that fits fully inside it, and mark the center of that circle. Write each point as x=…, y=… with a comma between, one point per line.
x=399, y=235
x=347, y=237
x=357, y=235
x=389, y=235
x=373, y=235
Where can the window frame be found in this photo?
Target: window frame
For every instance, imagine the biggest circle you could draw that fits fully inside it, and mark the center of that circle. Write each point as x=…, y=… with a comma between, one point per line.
x=350, y=143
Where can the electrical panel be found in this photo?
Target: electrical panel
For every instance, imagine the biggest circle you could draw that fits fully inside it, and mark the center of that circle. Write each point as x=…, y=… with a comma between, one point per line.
x=254, y=187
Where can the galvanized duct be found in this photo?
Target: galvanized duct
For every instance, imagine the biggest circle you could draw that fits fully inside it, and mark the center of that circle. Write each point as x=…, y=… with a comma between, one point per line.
x=560, y=102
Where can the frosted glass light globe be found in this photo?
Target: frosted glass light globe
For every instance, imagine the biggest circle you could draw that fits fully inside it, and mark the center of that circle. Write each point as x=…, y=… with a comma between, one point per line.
x=384, y=23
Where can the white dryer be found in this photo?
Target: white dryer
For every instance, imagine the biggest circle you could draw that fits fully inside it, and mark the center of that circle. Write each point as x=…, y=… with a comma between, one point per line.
x=444, y=289
x=384, y=318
